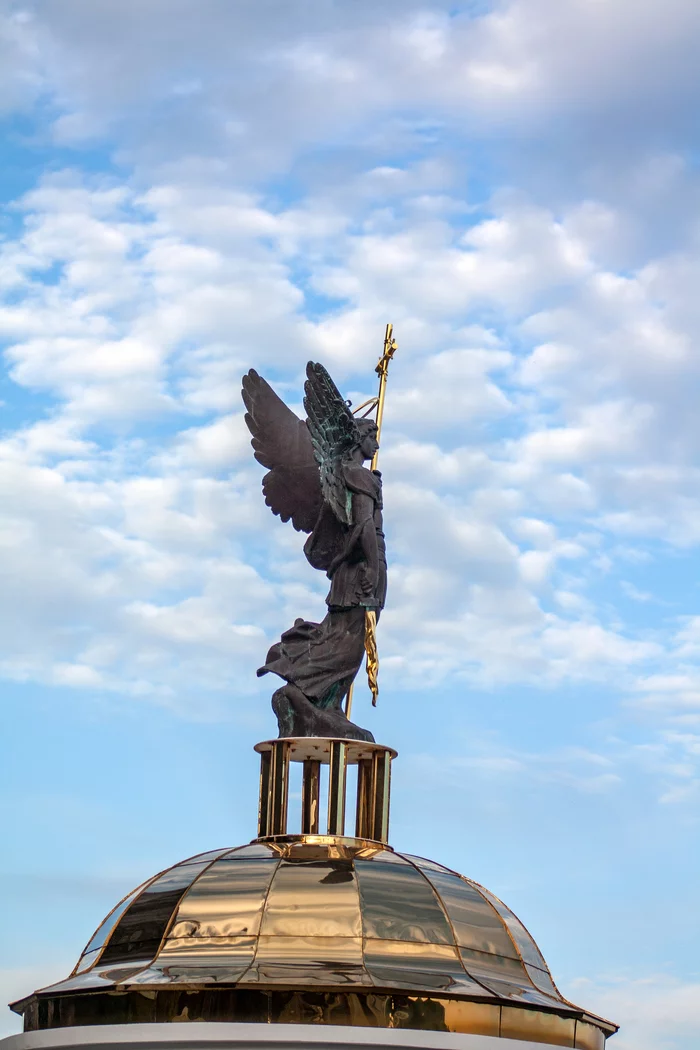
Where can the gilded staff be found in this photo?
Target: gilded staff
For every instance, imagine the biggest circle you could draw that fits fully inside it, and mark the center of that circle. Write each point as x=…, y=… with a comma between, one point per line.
x=372, y=664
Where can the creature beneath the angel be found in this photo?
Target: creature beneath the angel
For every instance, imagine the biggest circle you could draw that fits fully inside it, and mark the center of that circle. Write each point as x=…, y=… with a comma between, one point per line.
x=317, y=479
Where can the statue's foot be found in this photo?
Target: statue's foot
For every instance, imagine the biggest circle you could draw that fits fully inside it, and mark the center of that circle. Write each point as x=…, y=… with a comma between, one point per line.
x=297, y=716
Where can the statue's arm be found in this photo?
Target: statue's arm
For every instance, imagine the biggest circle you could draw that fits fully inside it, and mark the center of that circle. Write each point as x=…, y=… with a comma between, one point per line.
x=363, y=535
x=363, y=516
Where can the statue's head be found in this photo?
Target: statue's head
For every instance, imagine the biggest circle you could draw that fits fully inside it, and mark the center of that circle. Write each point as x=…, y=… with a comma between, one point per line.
x=367, y=431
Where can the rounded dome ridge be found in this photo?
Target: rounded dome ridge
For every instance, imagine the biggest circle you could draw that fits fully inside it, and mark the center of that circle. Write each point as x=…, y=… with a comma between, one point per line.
x=279, y=920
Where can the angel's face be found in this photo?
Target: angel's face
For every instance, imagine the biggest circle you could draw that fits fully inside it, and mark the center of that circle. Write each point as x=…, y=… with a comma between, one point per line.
x=369, y=444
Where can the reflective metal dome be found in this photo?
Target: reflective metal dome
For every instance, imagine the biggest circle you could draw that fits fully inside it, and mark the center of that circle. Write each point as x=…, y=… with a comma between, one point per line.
x=350, y=924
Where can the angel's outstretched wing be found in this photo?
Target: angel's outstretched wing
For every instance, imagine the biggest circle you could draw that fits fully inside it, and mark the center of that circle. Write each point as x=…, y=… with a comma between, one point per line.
x=333, y=433
x=282, y=443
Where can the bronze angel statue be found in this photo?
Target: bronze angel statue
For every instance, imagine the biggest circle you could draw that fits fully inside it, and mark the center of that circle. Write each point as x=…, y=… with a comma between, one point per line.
x=317, y=479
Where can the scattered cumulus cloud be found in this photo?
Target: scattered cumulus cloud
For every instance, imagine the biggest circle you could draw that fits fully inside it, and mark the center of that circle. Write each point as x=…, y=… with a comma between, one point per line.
x=155, y=304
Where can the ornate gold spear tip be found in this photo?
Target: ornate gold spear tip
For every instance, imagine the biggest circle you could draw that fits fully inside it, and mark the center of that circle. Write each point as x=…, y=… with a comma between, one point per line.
x=382, y=370
x=390, y=348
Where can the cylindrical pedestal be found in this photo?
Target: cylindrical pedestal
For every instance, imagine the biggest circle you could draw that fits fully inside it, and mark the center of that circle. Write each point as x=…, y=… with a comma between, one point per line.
x=373, y=763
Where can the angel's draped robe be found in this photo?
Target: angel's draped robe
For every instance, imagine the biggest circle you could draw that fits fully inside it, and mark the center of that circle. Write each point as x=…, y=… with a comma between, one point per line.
x=323, y=658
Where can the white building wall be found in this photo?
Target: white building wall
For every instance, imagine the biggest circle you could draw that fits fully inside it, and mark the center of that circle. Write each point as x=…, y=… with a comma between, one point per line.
x=213, y=1035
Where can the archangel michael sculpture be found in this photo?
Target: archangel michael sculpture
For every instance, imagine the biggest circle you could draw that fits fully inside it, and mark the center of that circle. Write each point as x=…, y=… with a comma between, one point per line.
x=317, y=480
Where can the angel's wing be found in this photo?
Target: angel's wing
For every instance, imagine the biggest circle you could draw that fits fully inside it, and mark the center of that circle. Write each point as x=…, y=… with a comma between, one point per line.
x=282, y=443
x=333, y=433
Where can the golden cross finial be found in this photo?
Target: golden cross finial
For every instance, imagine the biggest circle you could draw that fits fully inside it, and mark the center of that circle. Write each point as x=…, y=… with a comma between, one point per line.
x=382, y=369
x=390, y=348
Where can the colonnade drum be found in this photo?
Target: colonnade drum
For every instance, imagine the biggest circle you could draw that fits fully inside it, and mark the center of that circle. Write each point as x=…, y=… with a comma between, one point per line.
x=373, y=765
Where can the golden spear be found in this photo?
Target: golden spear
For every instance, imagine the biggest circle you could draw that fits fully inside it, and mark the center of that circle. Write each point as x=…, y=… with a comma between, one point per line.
x=372, y=664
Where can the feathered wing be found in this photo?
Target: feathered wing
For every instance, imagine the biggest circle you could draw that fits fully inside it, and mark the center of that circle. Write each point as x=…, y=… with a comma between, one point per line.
x=282, y=443
x=333, y=433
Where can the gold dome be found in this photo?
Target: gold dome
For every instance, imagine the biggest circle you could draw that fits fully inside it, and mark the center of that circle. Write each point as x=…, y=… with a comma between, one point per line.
x=317, y=929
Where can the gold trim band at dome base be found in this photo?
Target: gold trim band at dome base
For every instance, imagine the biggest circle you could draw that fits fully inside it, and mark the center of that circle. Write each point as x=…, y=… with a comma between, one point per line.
x=372, y=1009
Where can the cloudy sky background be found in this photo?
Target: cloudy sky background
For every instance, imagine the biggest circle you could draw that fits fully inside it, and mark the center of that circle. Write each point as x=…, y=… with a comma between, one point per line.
x=191, y=189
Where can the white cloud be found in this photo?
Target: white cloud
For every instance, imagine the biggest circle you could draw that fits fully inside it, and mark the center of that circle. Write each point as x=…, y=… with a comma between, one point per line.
x=676, y=695
x=201, y=285
x=655, y=1012
x=338, y=75
x=20, y=64
x=490, y=767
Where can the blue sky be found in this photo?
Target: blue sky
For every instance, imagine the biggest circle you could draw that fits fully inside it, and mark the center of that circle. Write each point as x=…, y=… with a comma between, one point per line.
x=193, y=189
